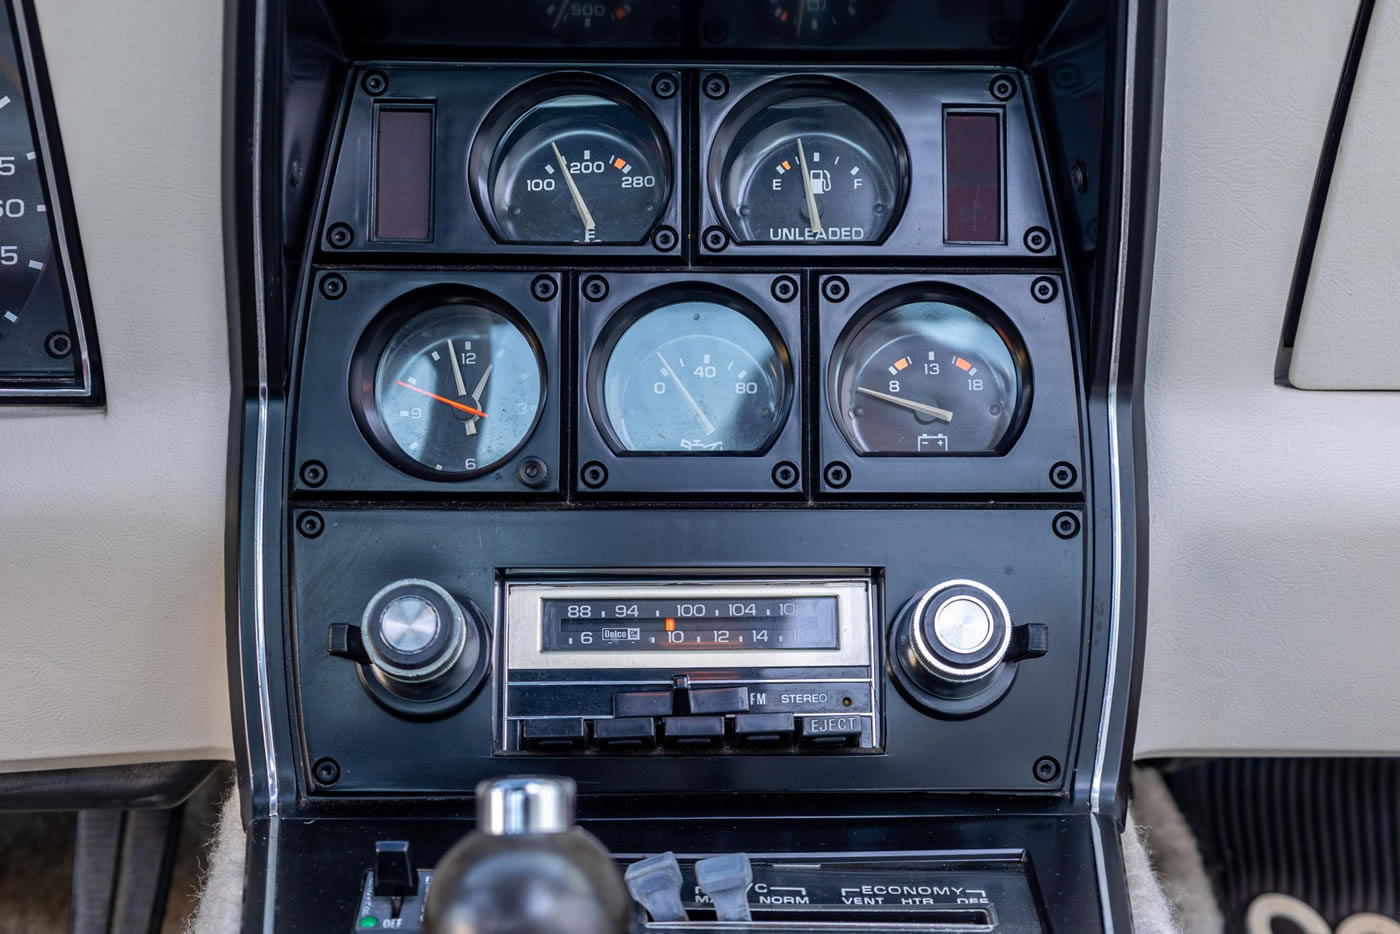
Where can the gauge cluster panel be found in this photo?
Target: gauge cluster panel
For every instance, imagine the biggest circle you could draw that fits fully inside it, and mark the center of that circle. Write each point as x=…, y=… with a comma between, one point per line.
x=621, y=370
x=692, y=165
x=48, y=341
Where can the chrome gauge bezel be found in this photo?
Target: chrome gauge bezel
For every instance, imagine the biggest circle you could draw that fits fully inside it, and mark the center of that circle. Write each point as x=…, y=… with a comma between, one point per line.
x=752, y=106
x=371, y=347
x=931, y=291
x=642, y=305
x=502, y=117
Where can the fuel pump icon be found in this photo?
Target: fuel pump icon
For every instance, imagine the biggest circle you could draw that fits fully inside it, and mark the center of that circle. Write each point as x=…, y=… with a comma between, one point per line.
x=821, y=181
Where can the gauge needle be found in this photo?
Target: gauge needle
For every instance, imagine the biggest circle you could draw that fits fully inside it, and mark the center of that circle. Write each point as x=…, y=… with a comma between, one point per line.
x=443, y=399
x=476, y=395
x=815, y=218
x=932, y=410
x=563, y=12
x=456, y=369
x=588, y=224
x=705, y=422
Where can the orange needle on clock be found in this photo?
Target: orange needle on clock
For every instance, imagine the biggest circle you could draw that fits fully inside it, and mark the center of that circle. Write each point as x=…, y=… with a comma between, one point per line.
x=443, y=399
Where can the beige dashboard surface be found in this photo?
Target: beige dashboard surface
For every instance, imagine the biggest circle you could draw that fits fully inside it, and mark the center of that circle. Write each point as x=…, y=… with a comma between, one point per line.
x=1274, y=591
x=1349, y=327
x=112, y=523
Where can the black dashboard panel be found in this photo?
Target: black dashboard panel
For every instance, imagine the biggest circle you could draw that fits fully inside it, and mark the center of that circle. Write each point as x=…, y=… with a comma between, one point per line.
x=699, y=400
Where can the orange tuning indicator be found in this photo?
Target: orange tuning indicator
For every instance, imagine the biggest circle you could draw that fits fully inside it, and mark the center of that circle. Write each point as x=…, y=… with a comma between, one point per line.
x=670, y=624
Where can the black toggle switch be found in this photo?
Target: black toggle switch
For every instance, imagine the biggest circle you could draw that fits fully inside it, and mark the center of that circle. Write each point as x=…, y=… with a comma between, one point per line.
x=394, y=875
x=344, y=641
x=1029, y=641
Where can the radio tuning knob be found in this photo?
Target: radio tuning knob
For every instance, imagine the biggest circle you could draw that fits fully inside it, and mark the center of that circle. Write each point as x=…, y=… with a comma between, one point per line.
x=418, y=647
x=954, y=647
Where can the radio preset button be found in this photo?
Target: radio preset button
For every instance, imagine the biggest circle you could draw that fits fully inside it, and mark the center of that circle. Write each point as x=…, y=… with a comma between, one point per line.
x=693, y=731
x=833, y=731
x=643, y=704
x=625, y=731
x=553, y=733
x=719, y=700
x=764, y=728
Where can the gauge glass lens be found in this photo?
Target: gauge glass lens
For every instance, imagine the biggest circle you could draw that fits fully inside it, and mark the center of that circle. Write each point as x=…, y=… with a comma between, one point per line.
x=578, y=168
x=818, y=21
x=695, y=377
x=809, y=168
x=579, y=20
x=458, y=388
x=926, y=378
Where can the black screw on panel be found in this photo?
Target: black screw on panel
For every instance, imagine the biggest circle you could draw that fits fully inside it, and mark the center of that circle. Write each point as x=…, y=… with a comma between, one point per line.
x=1037, y=239
x=58, y=345
x=375, y=83
x=716, y=86
x=715, y=239
x=326, y=771
x=1065, y=524
x=785, y=288
x=313, y=473
x=594, y=475
x=340, y=236
x=1046, y=769
x=785, y=475
x=1063, y=475
x=1003, y=88
x=1079, y=176
x=544, y=288
x=532, y=472
x=715, y=31
x=665, y=239
x=595, y=288
x=664, y=86
x=1044, y=289
x=836, y=475
x=333, y=286
x=311, y=524
x=835, y=289
x=666, y=31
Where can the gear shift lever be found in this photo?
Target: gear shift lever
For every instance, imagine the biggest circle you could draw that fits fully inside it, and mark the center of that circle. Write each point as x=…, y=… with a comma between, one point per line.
x=527, y=869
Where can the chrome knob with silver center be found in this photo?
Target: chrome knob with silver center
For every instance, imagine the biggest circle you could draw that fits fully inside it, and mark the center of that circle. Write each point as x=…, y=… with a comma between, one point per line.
x=961, y=630
x=954, y=649
x=413, y=631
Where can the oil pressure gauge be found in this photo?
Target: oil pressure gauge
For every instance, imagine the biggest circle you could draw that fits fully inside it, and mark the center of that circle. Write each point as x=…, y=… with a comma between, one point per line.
x=810, y=161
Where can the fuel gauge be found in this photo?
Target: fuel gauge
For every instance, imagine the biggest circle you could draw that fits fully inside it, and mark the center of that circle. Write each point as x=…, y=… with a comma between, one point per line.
x=808, y=161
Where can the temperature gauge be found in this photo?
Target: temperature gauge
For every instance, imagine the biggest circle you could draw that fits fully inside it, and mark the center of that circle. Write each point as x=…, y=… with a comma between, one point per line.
x=811, y=163
x=584, y=165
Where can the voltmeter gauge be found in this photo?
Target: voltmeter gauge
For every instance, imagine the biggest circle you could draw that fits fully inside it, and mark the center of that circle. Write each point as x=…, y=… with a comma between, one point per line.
x=922, y=373
x=808, y=161
x=582, y=163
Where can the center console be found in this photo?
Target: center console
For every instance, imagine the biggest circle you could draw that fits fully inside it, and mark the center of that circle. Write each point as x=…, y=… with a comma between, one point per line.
x=727, y=407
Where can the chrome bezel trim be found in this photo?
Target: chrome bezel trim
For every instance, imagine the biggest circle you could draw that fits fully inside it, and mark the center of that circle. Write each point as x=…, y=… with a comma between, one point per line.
x=524, y=613
x=60, y=233
x=936, y=665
